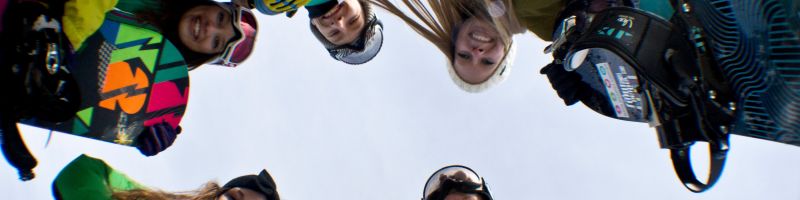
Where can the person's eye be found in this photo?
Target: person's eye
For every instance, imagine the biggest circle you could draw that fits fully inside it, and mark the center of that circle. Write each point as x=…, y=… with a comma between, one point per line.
x=487, y=62
x=216, y=42
x=220, y=17
x=463, y=55
x=353, y=20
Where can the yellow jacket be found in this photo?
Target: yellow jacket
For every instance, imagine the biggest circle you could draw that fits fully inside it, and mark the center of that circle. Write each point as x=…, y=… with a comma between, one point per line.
x=538, y=16
x=83, y=17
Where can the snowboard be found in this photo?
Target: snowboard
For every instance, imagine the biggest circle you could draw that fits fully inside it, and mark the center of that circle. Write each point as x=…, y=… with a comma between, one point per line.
x=752, y=87
x=757, y=45
x=129, y=78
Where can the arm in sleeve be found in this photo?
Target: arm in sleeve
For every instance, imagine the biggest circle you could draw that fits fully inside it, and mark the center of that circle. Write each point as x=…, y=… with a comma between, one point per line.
x=87, y=178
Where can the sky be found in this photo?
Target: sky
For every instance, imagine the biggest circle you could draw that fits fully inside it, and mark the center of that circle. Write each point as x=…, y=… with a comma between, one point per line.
x=327, y=130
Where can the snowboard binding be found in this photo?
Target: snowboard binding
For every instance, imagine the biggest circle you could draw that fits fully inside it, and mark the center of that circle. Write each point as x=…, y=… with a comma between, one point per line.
x=677, y=87
x=34, y=73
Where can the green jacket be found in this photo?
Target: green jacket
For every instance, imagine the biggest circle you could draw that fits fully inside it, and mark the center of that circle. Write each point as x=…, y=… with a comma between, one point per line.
x=87, y=178
x=538, y=16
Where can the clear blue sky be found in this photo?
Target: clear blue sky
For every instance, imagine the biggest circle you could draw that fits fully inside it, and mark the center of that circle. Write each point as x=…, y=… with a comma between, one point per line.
x=327, y=130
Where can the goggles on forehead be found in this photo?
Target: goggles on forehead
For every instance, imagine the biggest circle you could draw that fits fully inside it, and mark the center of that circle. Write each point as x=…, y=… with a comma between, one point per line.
x=241, y=45
x=455, y=178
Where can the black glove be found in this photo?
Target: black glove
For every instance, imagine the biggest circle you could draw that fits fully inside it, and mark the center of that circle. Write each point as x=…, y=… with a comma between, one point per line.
x=568, y=85
x=15, y=151
x=291, y=13
x=157, y=138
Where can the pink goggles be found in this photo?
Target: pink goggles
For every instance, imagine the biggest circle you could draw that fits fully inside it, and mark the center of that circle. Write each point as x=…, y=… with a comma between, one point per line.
x=240, y=47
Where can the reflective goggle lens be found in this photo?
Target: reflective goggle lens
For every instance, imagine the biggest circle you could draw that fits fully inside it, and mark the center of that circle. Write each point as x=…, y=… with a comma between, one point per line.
x=240, y=47
x=453, y=174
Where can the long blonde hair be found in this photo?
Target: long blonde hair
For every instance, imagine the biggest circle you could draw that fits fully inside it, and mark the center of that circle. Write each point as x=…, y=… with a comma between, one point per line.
x=208, y=191
x=437, y=20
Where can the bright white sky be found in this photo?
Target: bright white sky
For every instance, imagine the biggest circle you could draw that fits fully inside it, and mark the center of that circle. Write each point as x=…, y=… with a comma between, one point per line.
x=326, y=130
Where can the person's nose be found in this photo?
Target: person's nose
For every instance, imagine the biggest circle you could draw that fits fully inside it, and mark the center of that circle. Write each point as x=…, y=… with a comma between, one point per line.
x=326, y=21
x=223, y=32
x=337, y=22
x=330, y=21
x=474, y=57
x=212, y=30
x=478, y=50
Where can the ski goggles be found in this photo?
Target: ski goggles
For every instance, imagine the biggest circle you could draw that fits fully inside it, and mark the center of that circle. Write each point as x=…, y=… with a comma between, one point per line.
x=245, y=27
x=358, y=52
x=455, y=178
x=365, y=48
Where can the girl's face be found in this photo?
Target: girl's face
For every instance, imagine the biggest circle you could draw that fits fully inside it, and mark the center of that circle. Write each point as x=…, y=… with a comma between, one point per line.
x=478, y=50
x=462, y=196
x=238, y=193
x=206, y=29
x=342, y=24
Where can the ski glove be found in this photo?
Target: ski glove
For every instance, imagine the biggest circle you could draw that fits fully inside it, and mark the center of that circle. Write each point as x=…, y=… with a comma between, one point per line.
x=274, y=7
x=157, y=138
x=15, y=151
x=568, y=85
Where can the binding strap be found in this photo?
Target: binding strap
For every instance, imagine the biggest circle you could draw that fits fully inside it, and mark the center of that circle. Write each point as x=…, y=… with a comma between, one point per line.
x=641, y=39
x=662, y=58
x=683, y=127
x=712, y=117
x=681, y=161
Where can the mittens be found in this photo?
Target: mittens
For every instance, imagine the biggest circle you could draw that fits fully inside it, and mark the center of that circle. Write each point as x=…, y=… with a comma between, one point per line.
x=15, y=151
x=568, y=85
x=157, y=138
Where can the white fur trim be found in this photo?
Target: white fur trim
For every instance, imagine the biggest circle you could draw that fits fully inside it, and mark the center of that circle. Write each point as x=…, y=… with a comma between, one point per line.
x=500, y=74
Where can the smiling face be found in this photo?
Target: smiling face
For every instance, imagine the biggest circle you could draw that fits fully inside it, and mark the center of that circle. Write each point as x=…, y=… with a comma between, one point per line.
x=478, y=50
x=343, y=23
x=238, y=193
x=206, y=29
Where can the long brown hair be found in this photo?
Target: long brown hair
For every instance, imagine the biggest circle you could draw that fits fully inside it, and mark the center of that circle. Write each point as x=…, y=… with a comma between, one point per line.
x=438, y=20
x=208, y=191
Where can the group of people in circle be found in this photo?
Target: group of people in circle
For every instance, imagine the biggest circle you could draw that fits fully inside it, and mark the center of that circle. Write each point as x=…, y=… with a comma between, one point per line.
x=474, y=35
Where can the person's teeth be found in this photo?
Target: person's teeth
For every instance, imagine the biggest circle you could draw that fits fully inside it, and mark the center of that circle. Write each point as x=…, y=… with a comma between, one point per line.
x=196, y=29
x=480, y=37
